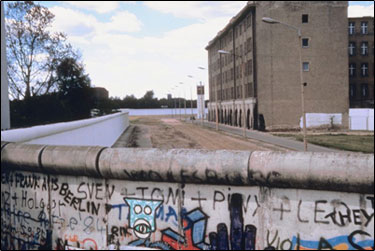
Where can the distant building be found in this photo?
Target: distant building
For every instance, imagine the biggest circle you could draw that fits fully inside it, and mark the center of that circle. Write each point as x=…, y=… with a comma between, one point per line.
x=361, y=62
x=100, y=93
x=272, y=86
x=169, y=96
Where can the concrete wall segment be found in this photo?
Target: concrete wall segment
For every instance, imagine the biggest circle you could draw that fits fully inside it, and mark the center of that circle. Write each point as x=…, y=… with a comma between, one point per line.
x=71, y=161
x=21, y=157
x=178, y=165
x=318, y=171
x=349, y=172
x=102, y=131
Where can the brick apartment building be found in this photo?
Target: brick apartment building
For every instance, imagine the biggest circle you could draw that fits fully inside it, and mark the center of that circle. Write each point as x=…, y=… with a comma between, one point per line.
x=271, y=88
x=361, y=62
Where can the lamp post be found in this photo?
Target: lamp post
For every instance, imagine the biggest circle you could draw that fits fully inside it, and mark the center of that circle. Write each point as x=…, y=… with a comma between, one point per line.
x=171, y=91
x=243, y=87
x=273, y=21
x=191, y=96
x=175, y=101
x=181, y=83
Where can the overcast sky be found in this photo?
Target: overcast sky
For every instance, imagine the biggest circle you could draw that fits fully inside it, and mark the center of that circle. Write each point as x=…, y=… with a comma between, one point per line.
x=132, y=47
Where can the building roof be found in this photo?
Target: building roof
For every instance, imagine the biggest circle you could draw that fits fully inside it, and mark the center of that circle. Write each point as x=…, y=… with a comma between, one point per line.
x=251, y=4
x=231, y=22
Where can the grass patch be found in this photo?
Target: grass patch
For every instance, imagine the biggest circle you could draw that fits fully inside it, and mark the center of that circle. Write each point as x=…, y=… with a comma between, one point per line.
x=354, y=143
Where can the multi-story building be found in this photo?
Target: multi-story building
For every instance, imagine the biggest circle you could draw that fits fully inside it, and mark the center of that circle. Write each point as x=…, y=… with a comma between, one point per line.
x=268, y=92
x=361, y=62
x=99, y=93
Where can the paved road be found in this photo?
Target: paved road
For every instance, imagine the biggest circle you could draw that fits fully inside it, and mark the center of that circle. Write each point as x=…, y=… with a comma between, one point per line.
x=270, y=139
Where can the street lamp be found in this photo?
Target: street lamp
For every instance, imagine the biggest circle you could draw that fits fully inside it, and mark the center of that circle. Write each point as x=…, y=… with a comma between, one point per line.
x=175, y=102
x=243, y=87
x=181, y=83
x=273, y=21
x=191, y=96
x=171, y=91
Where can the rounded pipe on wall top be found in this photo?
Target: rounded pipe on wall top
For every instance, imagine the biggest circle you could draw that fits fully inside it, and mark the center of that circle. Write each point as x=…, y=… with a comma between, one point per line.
x=21, y=156
x=346, y=172
x=177, y=165
x=68, y=160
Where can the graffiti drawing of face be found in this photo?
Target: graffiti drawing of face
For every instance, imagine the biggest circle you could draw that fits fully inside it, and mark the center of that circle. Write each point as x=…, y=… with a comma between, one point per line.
x=142, y=216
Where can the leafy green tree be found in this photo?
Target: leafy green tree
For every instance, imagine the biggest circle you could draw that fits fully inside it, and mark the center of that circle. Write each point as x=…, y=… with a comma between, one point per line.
x=33, y=52
x=74, y=88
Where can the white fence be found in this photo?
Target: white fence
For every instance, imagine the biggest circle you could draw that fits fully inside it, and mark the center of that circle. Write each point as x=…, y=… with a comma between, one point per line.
x=102, y=131
x=322, y=119
x=163, y=111
x=361, y=119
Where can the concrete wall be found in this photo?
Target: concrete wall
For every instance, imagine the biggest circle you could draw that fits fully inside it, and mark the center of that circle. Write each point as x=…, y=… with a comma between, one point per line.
x=5, y=118
x=361, y=119
x=102, y=131
x=184, y=199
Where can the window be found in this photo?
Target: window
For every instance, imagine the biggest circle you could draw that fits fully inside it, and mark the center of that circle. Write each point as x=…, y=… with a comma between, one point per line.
x=248, y=23
x=352, y=91
x=351, y=48
x=305, y=42
x=364, y=28
x=305, y=18
x=364, y=70
x=364, y=90
x=364, y=48
x=306, y=66
x=250, y=67
x=352, y=70
x=351, y=28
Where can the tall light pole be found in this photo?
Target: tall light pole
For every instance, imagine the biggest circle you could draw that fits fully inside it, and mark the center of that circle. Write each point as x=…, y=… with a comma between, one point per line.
x=181, y=83
x=191, y=96
x=171, y=91
x=273, y=21
x=175, y=101
x=243, y=87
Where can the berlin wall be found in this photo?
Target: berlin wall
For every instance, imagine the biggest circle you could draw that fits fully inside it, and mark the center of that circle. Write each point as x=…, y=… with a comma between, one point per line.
x=105, y=198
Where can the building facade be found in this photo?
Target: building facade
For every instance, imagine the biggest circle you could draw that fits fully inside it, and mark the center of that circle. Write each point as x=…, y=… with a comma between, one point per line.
x=361, y=62
x=260, y=77
x=100, y=93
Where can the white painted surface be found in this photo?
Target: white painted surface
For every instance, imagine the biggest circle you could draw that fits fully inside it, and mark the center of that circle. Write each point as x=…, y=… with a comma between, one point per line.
x=201, y=106
x=361, y=119
x=164, y=111
x=322, y=119
x=102, y=131
x=5, y=117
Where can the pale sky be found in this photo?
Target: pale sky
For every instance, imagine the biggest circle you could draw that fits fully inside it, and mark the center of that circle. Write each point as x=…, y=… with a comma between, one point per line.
x=132, y=47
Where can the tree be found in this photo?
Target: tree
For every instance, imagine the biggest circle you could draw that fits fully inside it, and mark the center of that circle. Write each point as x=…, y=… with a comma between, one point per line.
x=70, y=76
x=74, y=88
x=33, y=52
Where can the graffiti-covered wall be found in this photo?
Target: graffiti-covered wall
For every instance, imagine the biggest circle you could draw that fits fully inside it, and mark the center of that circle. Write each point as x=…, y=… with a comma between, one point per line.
x=43, y=211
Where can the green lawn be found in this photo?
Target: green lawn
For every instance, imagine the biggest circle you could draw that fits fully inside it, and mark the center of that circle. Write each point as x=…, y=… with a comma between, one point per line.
x=355, y=143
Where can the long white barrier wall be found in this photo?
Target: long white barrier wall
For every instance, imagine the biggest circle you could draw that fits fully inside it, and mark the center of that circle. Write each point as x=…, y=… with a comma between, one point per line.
x=361, y=119
x=101, y=131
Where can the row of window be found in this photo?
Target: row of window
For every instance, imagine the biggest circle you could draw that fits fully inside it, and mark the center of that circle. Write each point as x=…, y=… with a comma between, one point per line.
x=229, y=93
x=364, y=28
x=242, y=49
x=364, y=91
x=364, y=70
x=364, y=49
